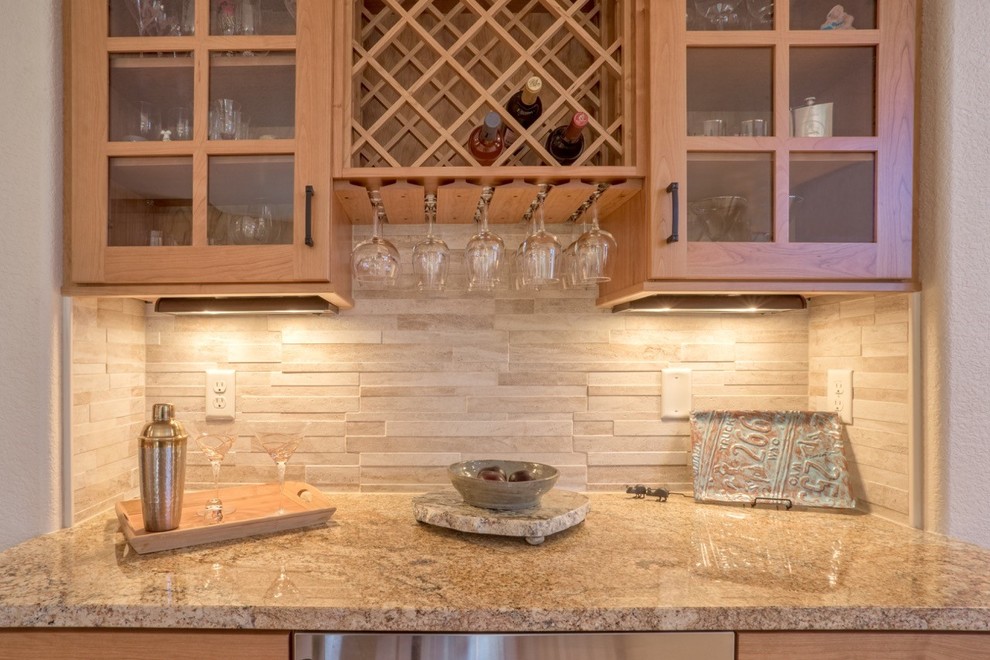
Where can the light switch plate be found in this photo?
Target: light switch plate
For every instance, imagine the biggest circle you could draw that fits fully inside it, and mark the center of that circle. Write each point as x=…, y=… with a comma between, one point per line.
x=220, y=394
x=675, y=394
x=839, y=393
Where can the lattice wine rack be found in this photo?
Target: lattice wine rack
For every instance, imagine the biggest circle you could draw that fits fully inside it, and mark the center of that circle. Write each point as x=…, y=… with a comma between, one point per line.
x=425, y=73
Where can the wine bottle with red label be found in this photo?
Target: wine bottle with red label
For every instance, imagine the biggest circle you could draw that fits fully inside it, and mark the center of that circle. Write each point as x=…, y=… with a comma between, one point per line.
x=565, y=143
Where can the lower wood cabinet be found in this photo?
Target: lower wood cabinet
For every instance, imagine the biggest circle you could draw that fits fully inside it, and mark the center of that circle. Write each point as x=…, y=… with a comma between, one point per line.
x=124, y=644
x=857, y=645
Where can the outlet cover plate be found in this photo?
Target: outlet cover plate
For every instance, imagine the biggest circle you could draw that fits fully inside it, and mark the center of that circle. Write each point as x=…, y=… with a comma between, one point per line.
x=220, y=393
x=675, y=393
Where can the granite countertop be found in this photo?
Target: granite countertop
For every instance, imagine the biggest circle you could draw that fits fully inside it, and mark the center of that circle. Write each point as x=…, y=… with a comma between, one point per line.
x=631, y=565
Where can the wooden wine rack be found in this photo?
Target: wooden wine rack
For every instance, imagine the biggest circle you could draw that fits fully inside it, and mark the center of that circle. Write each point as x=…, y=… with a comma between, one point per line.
x=424, y=74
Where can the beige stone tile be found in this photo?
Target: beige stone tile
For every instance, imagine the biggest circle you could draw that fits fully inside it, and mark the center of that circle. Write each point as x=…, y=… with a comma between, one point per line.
x=558, y=460
x=609, y=443
x=761, y=378
x=885, y=395
x=524, y=404
x=879, y=440
x=292, y=336
x=864, y=456
x=643, y=458
x=417, y=404
x=663, y=475
x=753, y=402
x=116, y=408
x=319, y=379
x=788, y=353
x=881, y=411
x=329, y=391
x=408, y=459
x=769, y=365
x=624, y=403
x=858, y=307
x=543, y=378
x=366, y=354
x=594, y=428
x=333, y=477
x=88, y=352
x=649, y=428
x=297, y=404
x=498, y=445
x=709, y=352
x=254, y=353
x=365, y=428
x=483, y=429
x=626, y=378
x=884, y=350
x=418, y=476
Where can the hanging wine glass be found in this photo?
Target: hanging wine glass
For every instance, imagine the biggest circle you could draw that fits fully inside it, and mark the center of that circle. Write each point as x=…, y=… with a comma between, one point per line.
x=719, y=13
x=215, y=447
x=595, y=250
x=375, y=262
x=280, y=446
x=431, y=256
x=539, y=255
x=483, y=256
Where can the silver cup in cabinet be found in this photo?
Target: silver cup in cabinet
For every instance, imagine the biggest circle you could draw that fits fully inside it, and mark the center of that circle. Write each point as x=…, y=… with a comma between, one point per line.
x=162, y=459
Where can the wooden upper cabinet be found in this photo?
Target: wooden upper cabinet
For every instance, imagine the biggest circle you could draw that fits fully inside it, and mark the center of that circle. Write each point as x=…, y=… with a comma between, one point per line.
x=198, y=149
x=790, y=143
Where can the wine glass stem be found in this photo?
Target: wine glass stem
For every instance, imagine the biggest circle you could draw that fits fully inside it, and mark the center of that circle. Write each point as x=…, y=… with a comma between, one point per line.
x=281, y=484
x=215, y=466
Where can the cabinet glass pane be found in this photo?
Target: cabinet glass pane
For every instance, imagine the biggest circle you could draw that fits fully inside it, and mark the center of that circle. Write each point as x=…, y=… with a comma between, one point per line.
x=250, y=200
x=730, y=14
x=821, y=14
x=833, y=91
x=252, y=97
x=151, y=97
x=151, y=18
x=833, y=198
x=252, y=17
x=150, y=201
x=730, y=197
x=729, y=91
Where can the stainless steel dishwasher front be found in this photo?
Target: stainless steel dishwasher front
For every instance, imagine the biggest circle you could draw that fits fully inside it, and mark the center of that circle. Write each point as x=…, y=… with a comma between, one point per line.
x=535, y=646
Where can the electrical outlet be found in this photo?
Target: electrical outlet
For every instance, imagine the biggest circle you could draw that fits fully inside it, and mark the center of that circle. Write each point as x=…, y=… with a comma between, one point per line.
x=675, y=393
x=840, y=393
x=220, y=394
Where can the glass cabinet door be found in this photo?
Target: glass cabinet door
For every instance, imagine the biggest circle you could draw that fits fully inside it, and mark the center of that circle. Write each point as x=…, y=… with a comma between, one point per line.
x=785, y=139
x=186, y=164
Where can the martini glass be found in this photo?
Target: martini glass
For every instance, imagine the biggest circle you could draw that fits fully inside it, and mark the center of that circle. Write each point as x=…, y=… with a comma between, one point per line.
x=215, y=447
x=280, y=446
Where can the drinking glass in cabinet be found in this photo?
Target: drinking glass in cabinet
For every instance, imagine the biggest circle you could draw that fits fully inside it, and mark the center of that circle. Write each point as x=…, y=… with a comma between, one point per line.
x=832, y=198
x=261, y=89
x=151, y=18
x=730, y=197
x=143, y=92
x=730, y=15
x=150, y=201
x=833, y=91
x=250, y=200
x=252, y=17
x=728, y=87
x=827, y=15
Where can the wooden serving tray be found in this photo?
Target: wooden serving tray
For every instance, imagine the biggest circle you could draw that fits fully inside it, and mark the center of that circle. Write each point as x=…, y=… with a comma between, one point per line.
x=255, y=513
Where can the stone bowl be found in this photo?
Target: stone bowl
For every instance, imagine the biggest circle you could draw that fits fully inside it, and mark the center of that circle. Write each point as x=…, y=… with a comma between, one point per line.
x=502, y=495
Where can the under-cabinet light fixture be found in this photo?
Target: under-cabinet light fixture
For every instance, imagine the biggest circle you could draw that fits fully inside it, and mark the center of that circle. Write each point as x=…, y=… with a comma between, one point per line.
x=245, y=305
x=713, y=304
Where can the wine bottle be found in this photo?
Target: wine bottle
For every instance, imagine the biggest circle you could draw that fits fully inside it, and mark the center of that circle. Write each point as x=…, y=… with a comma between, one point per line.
x=486, y=142
x=525, y=105
x=565, y=143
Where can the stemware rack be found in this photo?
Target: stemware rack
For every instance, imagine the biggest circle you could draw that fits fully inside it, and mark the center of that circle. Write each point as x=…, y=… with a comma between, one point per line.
x=422, y=75
x=458, y=200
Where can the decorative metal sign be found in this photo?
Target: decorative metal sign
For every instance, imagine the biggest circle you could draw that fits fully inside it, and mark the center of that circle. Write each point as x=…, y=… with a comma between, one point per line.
x=758, y=455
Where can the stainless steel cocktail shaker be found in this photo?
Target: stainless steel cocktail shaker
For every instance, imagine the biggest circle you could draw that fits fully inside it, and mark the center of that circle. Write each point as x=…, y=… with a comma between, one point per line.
x=162, y=459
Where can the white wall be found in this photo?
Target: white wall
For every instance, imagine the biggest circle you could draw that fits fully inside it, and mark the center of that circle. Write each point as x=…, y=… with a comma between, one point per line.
x=955, y=239
x=30, y=264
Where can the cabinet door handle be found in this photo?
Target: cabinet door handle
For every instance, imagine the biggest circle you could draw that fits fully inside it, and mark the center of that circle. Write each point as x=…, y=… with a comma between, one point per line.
x=675, y=210
x=309, y=215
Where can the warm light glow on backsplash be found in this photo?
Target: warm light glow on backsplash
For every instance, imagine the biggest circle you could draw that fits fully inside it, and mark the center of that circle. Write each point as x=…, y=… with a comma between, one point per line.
x=401, y=386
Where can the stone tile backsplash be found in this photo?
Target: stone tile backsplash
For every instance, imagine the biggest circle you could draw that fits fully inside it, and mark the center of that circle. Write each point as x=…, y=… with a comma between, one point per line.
x=391, y=392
